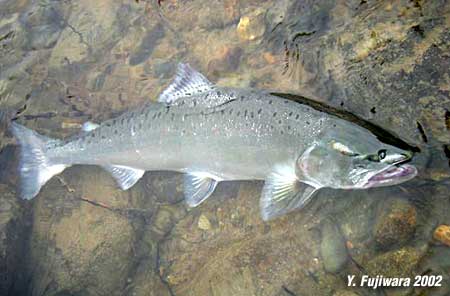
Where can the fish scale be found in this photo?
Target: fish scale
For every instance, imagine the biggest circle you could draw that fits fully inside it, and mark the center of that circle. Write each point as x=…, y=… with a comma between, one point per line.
x=215, y=134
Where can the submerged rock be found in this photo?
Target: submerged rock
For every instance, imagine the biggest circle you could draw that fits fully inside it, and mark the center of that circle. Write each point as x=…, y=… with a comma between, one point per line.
x=333, y=247
x=251, y=26
x=398, y=263
x=345, y=293
x=79, y=243
x=442, y=234
x=227, y=60
x=395, y=223
x=12, y=233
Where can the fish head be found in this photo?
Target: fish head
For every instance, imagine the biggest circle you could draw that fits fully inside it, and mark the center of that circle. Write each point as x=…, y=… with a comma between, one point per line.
x=351, y=158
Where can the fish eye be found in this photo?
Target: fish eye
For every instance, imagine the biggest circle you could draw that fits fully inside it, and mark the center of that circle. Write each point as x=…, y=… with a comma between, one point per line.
x=382, y=154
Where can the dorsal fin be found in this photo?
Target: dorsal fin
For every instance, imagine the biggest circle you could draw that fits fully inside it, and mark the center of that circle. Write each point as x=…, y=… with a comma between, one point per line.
x=187, y=82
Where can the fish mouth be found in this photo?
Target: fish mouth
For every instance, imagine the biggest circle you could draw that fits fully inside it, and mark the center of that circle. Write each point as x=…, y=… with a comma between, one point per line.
x=392, y=175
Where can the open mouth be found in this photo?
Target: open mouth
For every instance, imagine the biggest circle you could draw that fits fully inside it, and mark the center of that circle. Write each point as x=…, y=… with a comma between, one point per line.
x=393, y=175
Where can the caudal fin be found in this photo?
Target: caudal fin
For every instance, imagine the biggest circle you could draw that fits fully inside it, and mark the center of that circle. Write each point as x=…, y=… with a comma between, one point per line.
x=35, y=167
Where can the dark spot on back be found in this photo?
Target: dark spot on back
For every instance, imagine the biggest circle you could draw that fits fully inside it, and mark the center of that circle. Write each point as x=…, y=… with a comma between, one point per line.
x=274, y=114
x=297, y=116
x=259, y=111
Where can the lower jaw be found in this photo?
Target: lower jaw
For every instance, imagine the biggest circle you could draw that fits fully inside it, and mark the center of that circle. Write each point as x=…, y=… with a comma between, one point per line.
x=401, y=174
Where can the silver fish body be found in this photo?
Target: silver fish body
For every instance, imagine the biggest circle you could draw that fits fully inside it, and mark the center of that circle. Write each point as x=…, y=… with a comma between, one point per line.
x=240, y=140
x=214, y=134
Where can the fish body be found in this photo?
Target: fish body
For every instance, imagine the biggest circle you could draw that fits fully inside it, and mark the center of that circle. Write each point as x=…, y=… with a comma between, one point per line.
x=214, y=134
x=240, y=140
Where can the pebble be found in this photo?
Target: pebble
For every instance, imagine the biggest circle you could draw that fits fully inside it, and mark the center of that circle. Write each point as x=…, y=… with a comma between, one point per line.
x=251, y=26
x=203, y=223
x=442, y=234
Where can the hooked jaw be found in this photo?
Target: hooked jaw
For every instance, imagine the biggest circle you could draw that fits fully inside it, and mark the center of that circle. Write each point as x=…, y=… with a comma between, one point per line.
x=392, y=176
x=397, y=173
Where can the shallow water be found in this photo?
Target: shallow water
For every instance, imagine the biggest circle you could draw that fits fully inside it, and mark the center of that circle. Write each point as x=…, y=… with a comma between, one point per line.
x=64, y=62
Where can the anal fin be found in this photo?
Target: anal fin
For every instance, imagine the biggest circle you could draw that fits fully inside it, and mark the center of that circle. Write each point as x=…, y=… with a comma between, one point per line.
x=283, y=193
x=198, y=187
x=125, y=176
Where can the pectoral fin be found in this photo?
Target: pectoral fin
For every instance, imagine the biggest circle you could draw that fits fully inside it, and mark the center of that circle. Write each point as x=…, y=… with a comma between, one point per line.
x=283, y=193
x=198, y=187
x=126, y=177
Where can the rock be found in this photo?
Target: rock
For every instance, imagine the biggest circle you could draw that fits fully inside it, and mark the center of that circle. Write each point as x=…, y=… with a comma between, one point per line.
x=405, y=57
x=345, y=293
x=269, y=58
x=44, y=24
x=91, y=27
x=242, y=255
x=81, y=246
x=12, y=237
x=165, y=218
x=395, y=223
x=435, y=119
x=203, y=222
x=227, y=60
x=442, y=234
x=251, y=26
x=397, y=263
x=333, y=248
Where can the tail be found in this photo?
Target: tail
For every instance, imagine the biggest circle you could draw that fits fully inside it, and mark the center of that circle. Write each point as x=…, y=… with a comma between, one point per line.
x=35, y=167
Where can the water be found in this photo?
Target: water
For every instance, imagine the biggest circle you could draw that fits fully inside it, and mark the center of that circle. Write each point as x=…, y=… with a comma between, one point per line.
x=63, y=63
